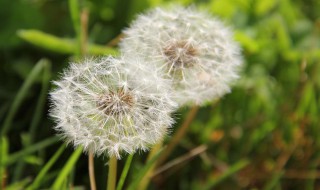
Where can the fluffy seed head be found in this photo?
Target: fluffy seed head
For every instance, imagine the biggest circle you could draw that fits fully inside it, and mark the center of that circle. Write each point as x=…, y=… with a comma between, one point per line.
x=193, y=49
x=107, y=107
x=115, y=103
x=180, y=55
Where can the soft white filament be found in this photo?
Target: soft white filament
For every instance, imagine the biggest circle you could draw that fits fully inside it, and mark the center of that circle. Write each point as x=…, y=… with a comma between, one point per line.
x=106, y=106
x=193, y=49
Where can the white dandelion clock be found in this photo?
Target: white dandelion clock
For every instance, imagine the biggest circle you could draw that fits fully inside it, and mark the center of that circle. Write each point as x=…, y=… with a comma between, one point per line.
x=192, y=48
x=105, y=107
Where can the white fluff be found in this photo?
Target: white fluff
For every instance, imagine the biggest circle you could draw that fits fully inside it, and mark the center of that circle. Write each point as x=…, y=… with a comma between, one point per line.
x=107, y=107
x=193, y=49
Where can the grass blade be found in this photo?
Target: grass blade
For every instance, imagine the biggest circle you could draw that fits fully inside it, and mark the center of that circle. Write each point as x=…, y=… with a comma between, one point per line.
x=124, y=172
x=41, y=100
x=61, y=45
x=37, y=115
x=274, y=181
x=22, y=94
x=41, y=145
x=143, y=171
x=4, y=151
x=75, y=17
x=37, y=182
x=67, y=169
x=232, y=170
x=19, y=185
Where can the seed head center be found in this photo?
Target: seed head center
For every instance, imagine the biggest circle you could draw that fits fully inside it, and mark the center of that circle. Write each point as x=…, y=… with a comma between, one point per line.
x=180, y=54
x=115, y=102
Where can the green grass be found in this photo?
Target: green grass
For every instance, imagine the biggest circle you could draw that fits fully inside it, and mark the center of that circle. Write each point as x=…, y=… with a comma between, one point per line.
x=263, y=135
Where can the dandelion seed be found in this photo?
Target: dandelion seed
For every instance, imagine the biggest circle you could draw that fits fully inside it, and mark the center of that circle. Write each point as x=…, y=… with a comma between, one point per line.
x=195, y=50
x=104, y=106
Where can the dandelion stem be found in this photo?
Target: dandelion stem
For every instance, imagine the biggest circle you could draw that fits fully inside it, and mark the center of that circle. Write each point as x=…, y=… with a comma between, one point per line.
x=112, y=174
x=178, y=135
x=91, y=172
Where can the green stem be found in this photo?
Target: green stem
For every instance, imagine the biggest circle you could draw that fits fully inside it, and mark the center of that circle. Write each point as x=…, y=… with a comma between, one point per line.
x=112, y=175
x=124, y=172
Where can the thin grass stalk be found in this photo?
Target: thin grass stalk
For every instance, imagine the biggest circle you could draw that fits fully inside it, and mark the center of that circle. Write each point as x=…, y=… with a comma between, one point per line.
x=4, y=151
x=180, y=160
x=23, y=91
x=67, y=168
x=36, y=118
x=125, y=172
x=143, y=171
x=178, y=135
x=40, y=177
x=84, y=31
x=146, y=179
x=12, y=158
x=75, y=16
x=230, y=171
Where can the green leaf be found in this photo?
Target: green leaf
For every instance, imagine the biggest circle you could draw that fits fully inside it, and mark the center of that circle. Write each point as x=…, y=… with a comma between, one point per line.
x=4, y=151
x=37, y=182
x=28, y=139
x=228, y=10
x=75, y=17
x=232, y=170
x=58, y=183
x=41, y=145
x=34, y=160
x=61, y=45
x=22, y=93
x=276, y=177
x=19, y=185
x=262, y=7
x=38, y=114
x=247, y=42
x=124, y=172
x=142, y=172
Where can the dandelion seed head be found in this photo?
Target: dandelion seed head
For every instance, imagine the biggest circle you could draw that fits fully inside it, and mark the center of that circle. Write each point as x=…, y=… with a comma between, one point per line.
x=192, y=48
x=103, y=106
x=115, y=103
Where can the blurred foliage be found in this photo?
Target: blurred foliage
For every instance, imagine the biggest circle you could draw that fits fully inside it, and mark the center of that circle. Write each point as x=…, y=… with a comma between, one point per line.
x=263, y=135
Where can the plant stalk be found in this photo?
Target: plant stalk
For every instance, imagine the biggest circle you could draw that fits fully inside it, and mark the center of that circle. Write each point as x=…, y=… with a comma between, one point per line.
x=91, y=172
x=178, y=135
x=112, y=174
x=146, y=179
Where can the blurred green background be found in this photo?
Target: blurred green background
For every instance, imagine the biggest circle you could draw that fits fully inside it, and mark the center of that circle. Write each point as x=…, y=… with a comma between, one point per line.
x=263, y=135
